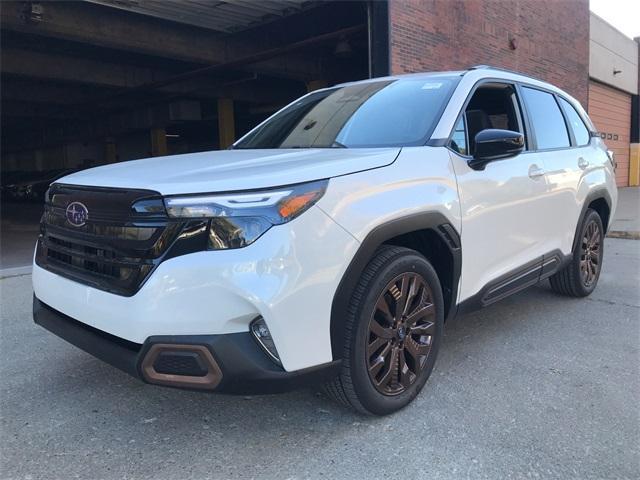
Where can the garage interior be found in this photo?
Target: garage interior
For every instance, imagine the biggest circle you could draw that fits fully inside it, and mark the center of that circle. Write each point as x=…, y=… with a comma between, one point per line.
x=100, y=81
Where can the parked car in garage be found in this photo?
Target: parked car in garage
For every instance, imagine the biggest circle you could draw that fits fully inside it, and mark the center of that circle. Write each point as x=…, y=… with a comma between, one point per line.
x=332, y=242
x=30, y=186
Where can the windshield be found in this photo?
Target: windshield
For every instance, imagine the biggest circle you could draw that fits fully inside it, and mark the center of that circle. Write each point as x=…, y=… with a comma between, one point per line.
x=387, y=113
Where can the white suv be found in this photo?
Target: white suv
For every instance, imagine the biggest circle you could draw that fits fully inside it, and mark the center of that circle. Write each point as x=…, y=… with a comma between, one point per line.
x=331, y=243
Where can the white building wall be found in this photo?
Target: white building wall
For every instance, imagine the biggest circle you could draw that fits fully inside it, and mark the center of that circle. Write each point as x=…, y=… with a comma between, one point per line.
x=609, y=51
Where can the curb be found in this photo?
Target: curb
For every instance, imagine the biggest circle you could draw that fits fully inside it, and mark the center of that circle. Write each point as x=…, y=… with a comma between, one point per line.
x=624, y=234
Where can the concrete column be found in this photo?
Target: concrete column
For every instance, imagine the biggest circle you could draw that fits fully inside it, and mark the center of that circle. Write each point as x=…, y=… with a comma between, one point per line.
x=226, y=123
x=158, y=142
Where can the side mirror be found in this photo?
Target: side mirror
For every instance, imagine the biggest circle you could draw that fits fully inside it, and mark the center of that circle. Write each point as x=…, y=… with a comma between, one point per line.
x=493, y=144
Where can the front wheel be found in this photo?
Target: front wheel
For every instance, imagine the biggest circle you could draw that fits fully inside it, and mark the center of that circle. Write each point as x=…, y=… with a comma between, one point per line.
x=393, y=331
x=580, y=277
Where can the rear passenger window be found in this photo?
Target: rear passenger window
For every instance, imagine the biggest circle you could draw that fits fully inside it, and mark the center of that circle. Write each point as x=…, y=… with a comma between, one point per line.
x=577, y=125
x=546, y=118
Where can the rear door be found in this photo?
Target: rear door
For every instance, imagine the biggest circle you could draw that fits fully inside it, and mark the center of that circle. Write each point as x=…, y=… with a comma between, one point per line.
x=561, y=143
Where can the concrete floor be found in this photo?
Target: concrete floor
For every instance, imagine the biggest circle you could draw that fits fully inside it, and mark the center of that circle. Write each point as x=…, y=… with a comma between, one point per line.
x=626, y=221
x=537, y=386
x=18, y=234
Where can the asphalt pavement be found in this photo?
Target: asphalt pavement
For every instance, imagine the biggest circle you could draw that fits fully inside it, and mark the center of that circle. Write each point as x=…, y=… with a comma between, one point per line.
x=537, y=386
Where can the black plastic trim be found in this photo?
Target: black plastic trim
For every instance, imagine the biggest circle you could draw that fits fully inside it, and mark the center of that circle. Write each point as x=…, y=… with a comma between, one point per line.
x=516, y=280
x=437, y=142
x=553, y=262
x=434, y=221
x=596, y=194
x=245, y=367
x=115, y=351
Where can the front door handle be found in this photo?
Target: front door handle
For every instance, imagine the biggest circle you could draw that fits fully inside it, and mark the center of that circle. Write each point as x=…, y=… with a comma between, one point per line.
x=582, y=163
x=535, y=171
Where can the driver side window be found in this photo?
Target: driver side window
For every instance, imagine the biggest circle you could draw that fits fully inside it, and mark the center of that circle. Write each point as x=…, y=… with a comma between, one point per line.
x=493, y=105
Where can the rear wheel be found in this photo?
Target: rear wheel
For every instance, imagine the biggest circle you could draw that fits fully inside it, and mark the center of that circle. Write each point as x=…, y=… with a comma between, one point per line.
x=580, y=277
x=393, y=331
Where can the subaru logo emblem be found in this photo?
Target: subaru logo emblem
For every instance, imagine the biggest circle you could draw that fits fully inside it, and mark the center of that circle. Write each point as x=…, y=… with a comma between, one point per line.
x=77, y=214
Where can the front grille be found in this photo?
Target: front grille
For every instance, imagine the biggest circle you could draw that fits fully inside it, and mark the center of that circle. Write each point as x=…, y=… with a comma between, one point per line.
x=116, y=248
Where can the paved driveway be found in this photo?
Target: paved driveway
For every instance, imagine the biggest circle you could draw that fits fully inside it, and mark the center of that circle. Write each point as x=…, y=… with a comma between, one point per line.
x=537, y=386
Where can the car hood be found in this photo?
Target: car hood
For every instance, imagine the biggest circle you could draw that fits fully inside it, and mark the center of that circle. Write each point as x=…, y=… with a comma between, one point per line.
x=232, y=170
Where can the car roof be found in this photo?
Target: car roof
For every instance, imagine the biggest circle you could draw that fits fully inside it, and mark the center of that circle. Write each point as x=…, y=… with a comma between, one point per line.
x=478, y=72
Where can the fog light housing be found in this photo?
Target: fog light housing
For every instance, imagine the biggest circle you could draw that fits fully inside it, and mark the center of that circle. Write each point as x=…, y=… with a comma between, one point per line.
x=262, y=335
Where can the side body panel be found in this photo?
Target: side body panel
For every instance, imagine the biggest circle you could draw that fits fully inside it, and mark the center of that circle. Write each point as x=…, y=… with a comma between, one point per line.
x=573, y=176
x=533, y=216
x=418, y=192
x=421, y=180
x=503, y=219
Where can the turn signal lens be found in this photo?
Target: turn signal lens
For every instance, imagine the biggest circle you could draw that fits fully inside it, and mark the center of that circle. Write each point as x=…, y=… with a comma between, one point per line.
x=291, y=207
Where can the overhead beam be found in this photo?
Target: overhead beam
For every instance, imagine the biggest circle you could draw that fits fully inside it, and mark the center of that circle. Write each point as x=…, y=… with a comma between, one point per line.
x=25, y=90
x=110, y=28
x=64, y=68
x=56, y=66
x=23, y=109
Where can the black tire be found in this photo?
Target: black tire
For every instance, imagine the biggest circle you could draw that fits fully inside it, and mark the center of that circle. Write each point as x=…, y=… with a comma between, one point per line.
x=357, y=385
x=572, y=280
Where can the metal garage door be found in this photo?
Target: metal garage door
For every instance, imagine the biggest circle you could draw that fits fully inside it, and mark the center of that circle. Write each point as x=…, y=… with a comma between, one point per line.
x=610, y=110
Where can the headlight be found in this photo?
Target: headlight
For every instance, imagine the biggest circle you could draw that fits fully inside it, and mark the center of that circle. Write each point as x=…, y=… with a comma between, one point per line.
x=238, y=219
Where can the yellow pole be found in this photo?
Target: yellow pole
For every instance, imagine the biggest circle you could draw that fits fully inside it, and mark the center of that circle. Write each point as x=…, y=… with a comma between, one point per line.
x=226, y=122
x=110, y=150
x=316, y=85
x=634, y=165
x=158, y=142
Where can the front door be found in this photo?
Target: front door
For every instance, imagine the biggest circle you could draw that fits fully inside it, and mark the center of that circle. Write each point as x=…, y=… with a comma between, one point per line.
x=502, y=206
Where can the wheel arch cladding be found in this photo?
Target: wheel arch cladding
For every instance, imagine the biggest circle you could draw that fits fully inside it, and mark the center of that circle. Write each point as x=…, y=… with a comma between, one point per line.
x=430, y=234
x=600, y=201
x=601, y=206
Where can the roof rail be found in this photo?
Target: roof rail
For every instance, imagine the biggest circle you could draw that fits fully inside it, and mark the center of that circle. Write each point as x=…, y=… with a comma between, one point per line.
x=490, y=67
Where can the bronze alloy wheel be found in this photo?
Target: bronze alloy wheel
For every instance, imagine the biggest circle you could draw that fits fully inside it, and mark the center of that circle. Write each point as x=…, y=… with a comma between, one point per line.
x=401, y=331
x=590, y=254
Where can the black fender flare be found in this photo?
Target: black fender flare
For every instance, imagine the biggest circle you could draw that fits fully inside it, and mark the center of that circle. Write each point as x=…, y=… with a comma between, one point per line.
x=434, y=221
x=595, y=194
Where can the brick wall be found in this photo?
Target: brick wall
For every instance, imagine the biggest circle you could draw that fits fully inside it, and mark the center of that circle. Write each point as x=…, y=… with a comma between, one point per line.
x=551, y=38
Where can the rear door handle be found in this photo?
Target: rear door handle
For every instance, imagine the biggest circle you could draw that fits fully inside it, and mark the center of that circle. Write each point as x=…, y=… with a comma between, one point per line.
x=535, y=171
x=582, y=163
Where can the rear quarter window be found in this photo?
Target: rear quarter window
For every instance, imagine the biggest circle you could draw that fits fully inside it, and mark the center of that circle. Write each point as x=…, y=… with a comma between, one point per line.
x=580, y=131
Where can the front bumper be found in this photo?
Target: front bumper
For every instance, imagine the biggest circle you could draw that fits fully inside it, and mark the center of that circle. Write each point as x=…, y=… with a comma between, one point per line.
x=227, y=363
x=288, y=277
